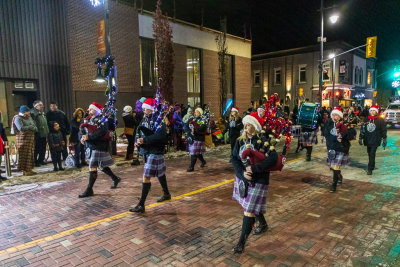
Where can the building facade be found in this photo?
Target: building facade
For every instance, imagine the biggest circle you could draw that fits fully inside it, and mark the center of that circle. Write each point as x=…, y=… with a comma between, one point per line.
x=48, y=52
x=293, y=74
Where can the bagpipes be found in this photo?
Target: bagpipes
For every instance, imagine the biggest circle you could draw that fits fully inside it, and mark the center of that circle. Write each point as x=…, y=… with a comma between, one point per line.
x=92, y=128
x=204, y=120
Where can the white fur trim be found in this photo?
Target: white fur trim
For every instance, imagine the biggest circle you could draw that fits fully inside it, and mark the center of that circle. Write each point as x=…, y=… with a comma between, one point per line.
x=147, y=106
x=337, y=112
x=234, y=109
x=95, y=108
x=253, y=121
x=374, y=109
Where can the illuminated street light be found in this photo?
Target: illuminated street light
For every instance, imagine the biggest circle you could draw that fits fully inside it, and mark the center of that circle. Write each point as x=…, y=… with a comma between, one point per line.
x=334, y=18
x=99, y=76
x=331, y=56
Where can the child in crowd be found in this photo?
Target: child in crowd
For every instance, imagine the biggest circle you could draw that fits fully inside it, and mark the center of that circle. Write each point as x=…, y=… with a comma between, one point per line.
x=56, y=144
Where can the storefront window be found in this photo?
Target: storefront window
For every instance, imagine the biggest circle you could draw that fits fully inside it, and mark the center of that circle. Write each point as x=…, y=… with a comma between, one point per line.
x=193, y=71
x=148, y=63
x=230, y=100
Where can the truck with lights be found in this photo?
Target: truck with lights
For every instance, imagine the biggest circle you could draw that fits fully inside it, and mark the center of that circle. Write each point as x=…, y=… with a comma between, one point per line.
x=392, y=113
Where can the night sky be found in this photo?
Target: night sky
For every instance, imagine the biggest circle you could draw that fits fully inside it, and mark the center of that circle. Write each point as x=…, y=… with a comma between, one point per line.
x=281, y=24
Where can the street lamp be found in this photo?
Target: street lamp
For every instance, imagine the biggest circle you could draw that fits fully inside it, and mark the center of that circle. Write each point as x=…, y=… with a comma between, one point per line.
x=333, y=18
x=99, y=76
x=333, y=56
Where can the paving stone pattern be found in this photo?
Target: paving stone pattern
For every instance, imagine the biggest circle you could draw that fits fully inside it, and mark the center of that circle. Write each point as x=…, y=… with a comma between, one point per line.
x=357, y=226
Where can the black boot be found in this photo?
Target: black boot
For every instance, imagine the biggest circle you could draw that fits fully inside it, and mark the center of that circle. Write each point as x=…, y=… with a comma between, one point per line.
x=60, y=167
x=89, y=190
x=262, y=225
x=369, y=172
x=203, y=162
x=115, y=179
x=340, y=178
x=163, y=183
x=335, y=181
x=308, y=155
x=247, y=226
x=140, y=206
x=193, y=159
x=55, y=167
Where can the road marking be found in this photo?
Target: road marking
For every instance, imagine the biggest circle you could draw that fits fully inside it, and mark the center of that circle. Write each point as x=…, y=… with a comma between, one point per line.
x=313, y=215
x=339, y=221
x=335, y=235
x=345, y=199
x=112, y=218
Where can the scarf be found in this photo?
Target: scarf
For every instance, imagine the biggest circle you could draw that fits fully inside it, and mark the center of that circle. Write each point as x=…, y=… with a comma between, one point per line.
x=372, y=117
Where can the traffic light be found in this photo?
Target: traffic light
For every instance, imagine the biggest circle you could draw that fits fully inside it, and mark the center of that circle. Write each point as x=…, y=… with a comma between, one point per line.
x=324, y=86
x=326, y=76
x=337, y=93
x=396, y=72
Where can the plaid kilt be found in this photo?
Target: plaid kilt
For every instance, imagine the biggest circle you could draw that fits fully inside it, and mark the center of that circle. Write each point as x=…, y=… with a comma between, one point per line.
x=100, y=159
x=308, y=138
x=26, y=149
x=341, y=159
x=197, y=148
x=154, y=166
x=256, y=200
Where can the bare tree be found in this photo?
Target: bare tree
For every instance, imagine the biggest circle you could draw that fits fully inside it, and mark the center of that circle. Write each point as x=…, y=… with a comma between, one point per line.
x=222, y=63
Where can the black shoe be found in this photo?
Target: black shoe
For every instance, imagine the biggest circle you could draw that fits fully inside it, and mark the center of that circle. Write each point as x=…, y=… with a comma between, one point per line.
x=332, y=189
x=308, y=157
x=298, y=150
x=116, y=182
x=164, y=198
x=190, y=169
x=369, y=172
x=79, y=166
x=340, y=179
x=261, y=228
x=203, y=164
x=139, y=208
x=87, y=193
x=55, y=169
x=61, y=168
x=84, y=164
x=238, y=249
x=37, y=164
x=135, y=163
x=42, y=163
x=3, y=178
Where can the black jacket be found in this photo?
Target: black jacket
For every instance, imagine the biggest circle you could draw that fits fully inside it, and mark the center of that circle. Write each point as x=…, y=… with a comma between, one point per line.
x=234, y=131
x=96, y=139
x=199, y=132
x=153, y=143
x=74, y=130
x=372, y=135
x=331, y=140
x=55, y=141
x=130, y=121
x=260, y=170
x=59, y=117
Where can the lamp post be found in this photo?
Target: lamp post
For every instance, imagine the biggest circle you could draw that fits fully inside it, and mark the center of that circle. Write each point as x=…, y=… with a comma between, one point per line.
x=332, y=56
x=333, y=18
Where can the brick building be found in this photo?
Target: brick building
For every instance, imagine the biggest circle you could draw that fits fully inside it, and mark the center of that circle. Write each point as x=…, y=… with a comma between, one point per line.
x=50, y=48
x=293, y=74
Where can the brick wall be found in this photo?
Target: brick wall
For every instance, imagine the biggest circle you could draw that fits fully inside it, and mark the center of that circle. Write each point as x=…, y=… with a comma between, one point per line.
x=210, y=81
x=242, y=83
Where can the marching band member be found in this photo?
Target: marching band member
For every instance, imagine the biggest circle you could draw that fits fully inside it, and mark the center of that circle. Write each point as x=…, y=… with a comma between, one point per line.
x=198, y=147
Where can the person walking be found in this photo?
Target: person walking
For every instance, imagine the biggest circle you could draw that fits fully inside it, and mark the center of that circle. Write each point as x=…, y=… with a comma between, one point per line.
x=75, y=137
x=234, y=126
x=178, y=127
x=129, y=131
x=198, y=147
x=25, y=129
x=56, y=144
x=39, y=117
x=54, y=114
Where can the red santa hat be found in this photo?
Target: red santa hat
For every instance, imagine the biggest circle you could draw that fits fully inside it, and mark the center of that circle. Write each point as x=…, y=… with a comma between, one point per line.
x=149, y=103
x=254, y=120
x=96, y=106
x=374, y=108
x=337, y=111
x=235, y=109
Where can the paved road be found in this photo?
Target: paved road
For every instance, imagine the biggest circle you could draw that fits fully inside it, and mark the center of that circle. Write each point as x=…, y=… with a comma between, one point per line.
x=357, y=226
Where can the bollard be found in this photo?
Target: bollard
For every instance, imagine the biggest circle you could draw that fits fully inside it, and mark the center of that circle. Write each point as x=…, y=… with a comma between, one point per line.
x=8, y=163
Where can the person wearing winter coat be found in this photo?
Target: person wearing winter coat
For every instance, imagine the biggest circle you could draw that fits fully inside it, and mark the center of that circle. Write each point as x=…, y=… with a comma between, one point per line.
x=54, y=114
x=129, y=130
x=75, y=137
x=234, y=126
x=40, y=119
x=178, y=127
x=3, y=139
x=56, y=145
x=373, y=132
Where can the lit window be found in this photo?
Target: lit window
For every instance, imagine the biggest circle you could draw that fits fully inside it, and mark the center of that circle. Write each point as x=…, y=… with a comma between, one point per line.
x=193, y=72
x=369, y=77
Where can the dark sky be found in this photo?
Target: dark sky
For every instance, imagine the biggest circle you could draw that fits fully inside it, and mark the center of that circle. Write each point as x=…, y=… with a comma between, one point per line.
x=282, y=24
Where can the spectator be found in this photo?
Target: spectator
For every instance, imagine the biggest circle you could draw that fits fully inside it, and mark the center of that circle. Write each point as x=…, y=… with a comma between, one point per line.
x=234, y=126
x=56, y=144
x=25, y=129
x=178, y=127
x=39, y=118
x=75, y=137
x=59, y=116
x=188, y=115
x=3, y=139
x=129, y=130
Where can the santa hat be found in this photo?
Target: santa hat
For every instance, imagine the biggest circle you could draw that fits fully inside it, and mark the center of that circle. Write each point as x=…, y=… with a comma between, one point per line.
x=235, y=109
x=337, y=111
x=96, y=106
x=254, y=120
x=261, y=107
x=200, y=110
x=374, y=108
x=149, y=103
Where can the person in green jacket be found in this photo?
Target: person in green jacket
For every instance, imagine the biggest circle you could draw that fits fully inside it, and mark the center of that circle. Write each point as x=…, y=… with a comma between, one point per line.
x=40, y=119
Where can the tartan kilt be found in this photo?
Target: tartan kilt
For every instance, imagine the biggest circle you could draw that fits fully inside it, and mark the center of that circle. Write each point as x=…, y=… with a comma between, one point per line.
x=308, y=138
x=154, y=166
x=256, y=200
x=197, y=148
x=100, y=159
x=341, y=159
x=26, y=149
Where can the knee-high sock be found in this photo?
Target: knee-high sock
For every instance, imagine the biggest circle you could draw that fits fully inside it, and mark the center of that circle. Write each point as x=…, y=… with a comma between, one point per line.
x=193, y=159
x=309, y=150
x=261, y=219
x=92, y=179
x=200, y=156
x=163, y=183
x=109, y=172
x=247, y=226
x=335, y=176
x=145, y=190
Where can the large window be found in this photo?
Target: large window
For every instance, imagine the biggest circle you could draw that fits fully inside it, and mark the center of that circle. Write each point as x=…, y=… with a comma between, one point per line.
x=356, y=73
x=277, y=76
x=229, y=81
x=148, y=63
x=193, y=70
x=256, y=78
x=302, y=73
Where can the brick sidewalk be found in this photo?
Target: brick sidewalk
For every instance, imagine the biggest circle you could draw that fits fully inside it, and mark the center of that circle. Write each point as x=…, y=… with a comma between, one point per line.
x=309, y=226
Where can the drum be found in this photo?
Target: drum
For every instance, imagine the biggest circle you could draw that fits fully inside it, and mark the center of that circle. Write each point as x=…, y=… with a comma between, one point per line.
x=308, y=115
x=296, y=130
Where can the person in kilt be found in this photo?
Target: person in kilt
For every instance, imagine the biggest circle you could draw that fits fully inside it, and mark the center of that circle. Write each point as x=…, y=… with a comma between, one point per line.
x=25, y=129
x=307, y=138
x=373, y=132
x=257, y=176
x=98, y=144
x=152, y=147
x=198, y=147
x=338, y=145
x=234, y=126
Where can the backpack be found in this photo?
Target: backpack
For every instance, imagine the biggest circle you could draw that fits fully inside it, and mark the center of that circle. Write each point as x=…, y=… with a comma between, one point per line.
x=14, y=129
